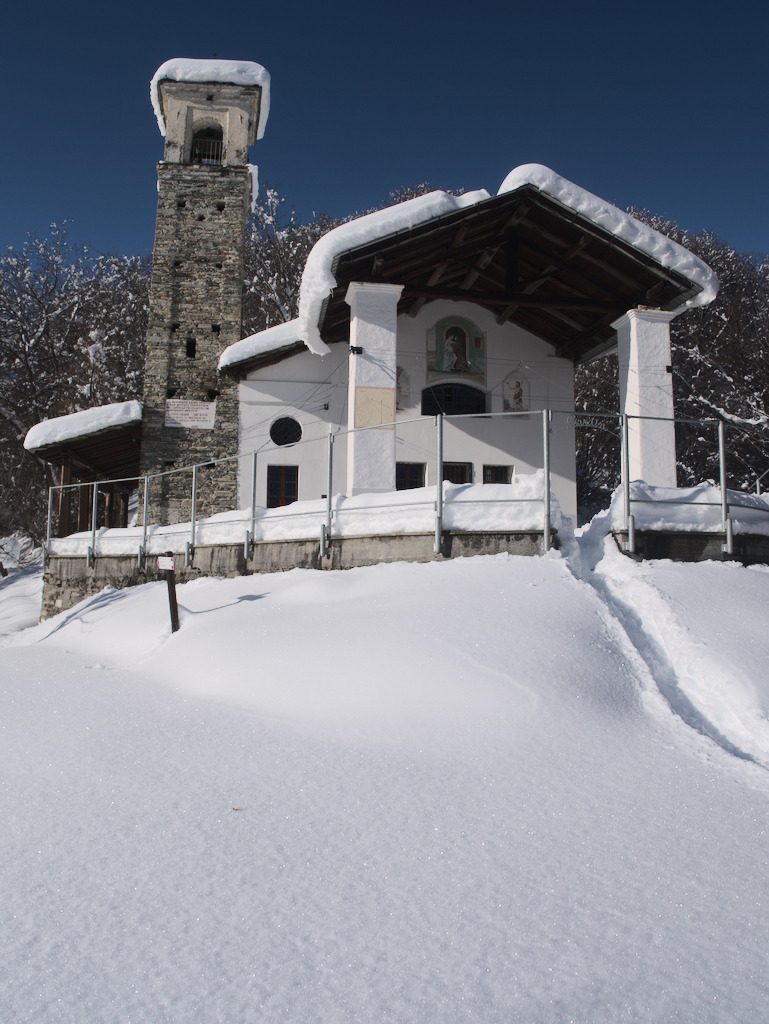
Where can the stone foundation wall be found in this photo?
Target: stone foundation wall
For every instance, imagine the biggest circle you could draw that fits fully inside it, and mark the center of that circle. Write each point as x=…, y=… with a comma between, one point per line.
x=68, y=579
x=748, y=548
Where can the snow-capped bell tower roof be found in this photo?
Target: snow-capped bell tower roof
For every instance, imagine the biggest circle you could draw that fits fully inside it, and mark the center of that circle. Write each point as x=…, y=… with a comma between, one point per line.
x=232, y=72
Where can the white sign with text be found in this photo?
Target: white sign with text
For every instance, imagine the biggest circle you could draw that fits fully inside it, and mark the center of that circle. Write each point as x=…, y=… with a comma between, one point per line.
x=194, y=415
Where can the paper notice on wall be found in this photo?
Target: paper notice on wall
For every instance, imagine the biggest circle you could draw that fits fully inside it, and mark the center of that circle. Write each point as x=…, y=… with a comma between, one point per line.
x=192, y=415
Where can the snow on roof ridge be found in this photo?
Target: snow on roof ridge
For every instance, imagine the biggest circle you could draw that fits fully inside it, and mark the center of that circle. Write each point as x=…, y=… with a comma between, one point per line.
x=269, y=340
x=190, y=69
x=664, y=250
x=82, y=424
x=318, y=279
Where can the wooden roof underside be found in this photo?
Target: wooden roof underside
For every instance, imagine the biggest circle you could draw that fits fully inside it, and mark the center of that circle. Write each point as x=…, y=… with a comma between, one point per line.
x=524, y=257
x=112, y=454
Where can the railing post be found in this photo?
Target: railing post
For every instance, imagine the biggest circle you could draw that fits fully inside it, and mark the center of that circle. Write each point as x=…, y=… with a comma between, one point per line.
x=49, y=527
x=726, y=523
x=546, y=473
x=94, y=510
x=193, y=515
x=625, y=471
x=145, y=513
x=325, y=536
x=251, y=534
x=438, y=546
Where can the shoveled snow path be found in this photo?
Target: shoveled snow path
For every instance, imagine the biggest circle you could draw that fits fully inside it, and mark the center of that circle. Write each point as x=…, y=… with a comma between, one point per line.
x=706, y=652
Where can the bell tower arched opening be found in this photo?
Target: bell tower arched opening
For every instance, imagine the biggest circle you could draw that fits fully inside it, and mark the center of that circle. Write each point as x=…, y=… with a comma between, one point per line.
x=207, y=144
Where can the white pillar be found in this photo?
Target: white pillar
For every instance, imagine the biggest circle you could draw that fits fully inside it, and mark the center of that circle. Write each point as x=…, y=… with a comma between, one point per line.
x=646, y=389
x=371, y=400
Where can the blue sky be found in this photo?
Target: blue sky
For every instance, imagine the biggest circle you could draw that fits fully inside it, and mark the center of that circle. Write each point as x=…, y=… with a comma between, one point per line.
x=661, y=105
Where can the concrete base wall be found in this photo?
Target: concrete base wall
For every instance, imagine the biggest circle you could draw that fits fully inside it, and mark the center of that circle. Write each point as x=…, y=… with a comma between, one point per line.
x=748, y=548
x=68, y=579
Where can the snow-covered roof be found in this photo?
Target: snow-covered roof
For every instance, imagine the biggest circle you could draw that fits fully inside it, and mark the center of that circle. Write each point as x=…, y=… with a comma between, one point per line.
x=82, y=424
x=271, y=340
x=235, y=72
x=319, y=281
x=664, y=250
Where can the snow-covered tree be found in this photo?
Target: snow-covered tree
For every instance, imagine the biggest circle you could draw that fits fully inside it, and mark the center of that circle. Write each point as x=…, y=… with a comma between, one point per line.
x=720, y=372
x=277, y=246
x=72, y=333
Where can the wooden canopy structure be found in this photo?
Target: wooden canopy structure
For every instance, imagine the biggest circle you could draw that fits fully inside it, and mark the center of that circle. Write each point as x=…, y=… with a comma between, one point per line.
x=524, y=256
x=110, y=455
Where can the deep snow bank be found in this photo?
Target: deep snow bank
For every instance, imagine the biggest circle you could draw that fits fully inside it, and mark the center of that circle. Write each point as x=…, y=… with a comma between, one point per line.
x=439, y=793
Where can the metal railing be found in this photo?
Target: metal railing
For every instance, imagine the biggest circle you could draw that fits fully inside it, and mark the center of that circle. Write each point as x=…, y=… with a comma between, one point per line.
x=206, y=151
x=330, y=515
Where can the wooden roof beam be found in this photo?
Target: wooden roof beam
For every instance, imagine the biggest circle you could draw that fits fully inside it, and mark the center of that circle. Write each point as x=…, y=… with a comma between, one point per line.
x=440, y=270
x=565, y=351
x=478, y=271
x=531, y=286
x=564, y=263
x=611, y=268
x=519, y=299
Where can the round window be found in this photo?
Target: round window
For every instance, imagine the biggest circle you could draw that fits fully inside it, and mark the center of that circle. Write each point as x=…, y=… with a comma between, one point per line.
x=286, y=431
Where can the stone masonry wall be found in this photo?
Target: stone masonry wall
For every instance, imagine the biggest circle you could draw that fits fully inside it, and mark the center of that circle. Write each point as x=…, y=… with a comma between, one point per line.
x=195, y=312
x=68, y=579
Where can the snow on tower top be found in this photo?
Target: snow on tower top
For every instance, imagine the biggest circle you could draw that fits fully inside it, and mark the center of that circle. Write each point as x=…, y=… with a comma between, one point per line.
x=234, y=72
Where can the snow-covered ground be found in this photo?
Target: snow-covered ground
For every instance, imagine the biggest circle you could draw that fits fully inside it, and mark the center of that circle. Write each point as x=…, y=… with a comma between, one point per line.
x=524, y=791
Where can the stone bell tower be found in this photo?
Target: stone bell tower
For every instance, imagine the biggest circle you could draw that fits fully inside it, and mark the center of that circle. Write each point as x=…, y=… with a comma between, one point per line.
x=210, y=112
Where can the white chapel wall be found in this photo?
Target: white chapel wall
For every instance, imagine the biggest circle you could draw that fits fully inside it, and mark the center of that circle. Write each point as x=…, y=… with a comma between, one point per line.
x=301, y=387
x=510, y=354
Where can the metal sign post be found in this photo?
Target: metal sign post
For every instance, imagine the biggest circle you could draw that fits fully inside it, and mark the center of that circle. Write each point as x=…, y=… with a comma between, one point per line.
x=166, y=564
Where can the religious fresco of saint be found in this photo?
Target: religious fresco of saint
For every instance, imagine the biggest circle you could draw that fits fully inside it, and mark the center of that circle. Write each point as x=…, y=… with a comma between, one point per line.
x=456, y=346
x=515, y=392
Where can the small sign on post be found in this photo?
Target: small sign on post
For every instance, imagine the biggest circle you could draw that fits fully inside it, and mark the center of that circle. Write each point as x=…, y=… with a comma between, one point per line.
x=166, y=564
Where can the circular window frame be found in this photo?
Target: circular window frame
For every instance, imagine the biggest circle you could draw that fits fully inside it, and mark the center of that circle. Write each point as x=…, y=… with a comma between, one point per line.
x=288, y=431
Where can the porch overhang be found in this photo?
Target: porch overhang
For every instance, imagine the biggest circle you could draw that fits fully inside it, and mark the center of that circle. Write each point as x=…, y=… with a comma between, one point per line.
x=97, y=444
x=524, y=256
x=110, y=455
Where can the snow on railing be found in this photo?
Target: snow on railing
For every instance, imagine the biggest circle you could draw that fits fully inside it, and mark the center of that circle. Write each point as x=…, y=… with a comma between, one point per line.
x=331, y=523
x=421, y=510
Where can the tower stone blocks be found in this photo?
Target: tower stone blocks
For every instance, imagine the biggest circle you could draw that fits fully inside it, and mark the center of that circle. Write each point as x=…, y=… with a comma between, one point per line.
x=204, y=194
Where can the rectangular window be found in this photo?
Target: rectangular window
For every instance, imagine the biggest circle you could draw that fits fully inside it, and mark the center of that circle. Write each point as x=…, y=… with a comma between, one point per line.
x=458, y=472
x=409, y=475
x=497, y=474
x=282, y=485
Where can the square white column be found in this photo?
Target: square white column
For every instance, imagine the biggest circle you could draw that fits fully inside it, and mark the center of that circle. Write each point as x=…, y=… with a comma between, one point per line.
x=371, y=399
x=646, y=390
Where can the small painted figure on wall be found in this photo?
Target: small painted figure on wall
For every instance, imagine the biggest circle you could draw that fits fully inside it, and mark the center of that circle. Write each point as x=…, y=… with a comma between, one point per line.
x=515, y=392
